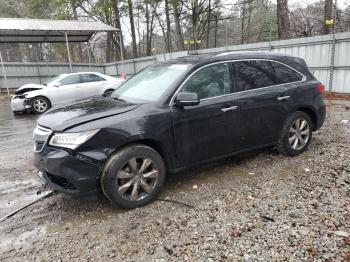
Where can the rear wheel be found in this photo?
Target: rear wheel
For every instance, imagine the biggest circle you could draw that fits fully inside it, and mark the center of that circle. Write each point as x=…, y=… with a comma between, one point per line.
x=133, y=176
x=296, y=134
x=40, y=104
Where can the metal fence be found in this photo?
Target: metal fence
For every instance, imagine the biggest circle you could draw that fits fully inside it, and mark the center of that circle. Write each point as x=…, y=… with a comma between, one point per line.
x=327, y=56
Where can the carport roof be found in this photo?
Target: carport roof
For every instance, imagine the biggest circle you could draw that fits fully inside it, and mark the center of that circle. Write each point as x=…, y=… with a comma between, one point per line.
x=23, y=30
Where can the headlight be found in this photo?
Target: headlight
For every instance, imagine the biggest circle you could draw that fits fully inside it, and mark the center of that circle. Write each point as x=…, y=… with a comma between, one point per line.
x=21, y=96
x=71, y=140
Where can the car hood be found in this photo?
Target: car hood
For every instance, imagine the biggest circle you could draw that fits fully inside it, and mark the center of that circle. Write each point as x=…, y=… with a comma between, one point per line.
x=27, y=88
x=63, y=117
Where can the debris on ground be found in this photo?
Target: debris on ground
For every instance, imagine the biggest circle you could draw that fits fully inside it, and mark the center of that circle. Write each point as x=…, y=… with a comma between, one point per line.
x=281, y=212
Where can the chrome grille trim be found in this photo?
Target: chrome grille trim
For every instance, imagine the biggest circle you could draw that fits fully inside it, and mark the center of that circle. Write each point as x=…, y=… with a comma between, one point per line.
x=40, y=137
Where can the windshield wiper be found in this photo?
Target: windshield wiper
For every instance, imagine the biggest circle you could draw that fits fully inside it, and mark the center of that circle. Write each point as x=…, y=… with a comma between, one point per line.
x=119, y=99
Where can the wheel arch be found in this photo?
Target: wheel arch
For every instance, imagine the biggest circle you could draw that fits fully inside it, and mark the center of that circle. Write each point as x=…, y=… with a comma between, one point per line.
x=312, y=114
x=154, y=144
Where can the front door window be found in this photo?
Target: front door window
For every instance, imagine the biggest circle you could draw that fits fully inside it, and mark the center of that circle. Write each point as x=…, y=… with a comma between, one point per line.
x=210, y=81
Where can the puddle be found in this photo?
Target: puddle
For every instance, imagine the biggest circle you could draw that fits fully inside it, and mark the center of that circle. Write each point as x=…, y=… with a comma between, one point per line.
x=17, y=185
x=285, y=171
x=22, y=241
x=26, y=197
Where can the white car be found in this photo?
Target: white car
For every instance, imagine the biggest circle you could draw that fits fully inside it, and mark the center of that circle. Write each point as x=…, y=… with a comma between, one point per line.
x=63, y=89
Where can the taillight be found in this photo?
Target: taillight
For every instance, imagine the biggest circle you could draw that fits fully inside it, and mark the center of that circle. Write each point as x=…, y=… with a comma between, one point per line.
x=321, y=88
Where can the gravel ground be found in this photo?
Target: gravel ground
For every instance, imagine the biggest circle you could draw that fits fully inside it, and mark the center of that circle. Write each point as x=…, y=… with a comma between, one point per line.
x=257, y=206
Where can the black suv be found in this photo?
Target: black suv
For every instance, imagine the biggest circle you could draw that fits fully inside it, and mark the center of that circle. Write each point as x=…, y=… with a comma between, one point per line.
x=174, y=115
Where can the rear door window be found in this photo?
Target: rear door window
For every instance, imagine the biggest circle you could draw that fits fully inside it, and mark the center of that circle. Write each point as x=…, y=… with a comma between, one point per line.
x=285, y=74
x=85, y=78
x=254, y=74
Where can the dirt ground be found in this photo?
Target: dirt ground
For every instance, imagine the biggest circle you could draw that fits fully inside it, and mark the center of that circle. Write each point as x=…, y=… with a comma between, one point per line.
x=257, y=206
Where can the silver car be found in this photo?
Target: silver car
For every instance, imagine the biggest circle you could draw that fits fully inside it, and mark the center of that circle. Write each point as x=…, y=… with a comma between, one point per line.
x=62, y=89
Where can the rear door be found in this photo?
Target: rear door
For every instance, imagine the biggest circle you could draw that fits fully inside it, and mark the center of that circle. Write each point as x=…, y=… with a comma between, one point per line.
x=263, y=99
x=91, y=85
x=210, y=129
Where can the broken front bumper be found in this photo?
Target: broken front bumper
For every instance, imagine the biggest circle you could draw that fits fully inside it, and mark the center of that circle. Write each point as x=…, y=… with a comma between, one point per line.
x=75, y=175
x=18, y=104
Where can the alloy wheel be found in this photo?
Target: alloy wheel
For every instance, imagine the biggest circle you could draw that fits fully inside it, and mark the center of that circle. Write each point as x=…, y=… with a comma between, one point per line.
x=299, y=134
x=137, y=178
x=40, y=105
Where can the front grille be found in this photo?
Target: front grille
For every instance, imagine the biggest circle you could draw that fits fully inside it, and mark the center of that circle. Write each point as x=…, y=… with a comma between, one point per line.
x=40, y=136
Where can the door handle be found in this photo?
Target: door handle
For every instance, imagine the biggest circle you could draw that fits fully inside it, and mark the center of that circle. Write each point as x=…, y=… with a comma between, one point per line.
x=282, y=98
x=229, y=108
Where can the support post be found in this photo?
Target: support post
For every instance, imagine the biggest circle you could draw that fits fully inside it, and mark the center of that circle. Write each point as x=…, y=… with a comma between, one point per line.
x=333, y=45
x=89, y=58
x=121, y=46
x=70, y=61
x=226, y=34
x=4, y=74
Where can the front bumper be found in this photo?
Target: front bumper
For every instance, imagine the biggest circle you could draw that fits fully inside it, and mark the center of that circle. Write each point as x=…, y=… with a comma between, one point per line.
x=75, y=175
x=18, y=105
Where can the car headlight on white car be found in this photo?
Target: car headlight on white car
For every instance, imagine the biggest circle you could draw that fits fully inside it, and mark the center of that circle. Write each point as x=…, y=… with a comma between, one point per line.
x=21, y=96
x=71, y=140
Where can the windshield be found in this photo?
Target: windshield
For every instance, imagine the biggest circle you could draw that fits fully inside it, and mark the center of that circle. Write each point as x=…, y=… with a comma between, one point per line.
x=150, y=84
x=52, y=80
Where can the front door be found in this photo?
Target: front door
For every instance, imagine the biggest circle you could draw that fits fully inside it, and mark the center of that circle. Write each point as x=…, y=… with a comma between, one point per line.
x=66, y=90
x=210, y=129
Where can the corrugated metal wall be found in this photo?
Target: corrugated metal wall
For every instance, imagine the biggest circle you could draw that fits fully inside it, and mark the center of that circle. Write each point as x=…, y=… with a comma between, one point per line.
x=315, y=50
x=19, y=74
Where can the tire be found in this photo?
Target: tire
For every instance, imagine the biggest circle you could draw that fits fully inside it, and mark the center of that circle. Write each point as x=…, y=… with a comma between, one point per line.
x=108, y=93
x=295, y=138
x=40, y=105
x=123, y=179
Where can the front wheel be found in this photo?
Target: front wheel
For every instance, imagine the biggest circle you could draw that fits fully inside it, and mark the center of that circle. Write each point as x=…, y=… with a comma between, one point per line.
x=296, y=134
x=108, y=93
x=40, y=105
x=133, y=176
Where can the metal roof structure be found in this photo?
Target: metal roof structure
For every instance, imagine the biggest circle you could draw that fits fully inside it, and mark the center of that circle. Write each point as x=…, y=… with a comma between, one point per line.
x=23, y=30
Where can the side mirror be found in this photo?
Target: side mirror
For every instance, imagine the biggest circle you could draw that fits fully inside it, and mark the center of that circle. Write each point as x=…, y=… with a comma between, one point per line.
x=186, y=99
x=57, y=85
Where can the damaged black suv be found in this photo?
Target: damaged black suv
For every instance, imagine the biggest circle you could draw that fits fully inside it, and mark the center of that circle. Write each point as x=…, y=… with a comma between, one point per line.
x=174, y=115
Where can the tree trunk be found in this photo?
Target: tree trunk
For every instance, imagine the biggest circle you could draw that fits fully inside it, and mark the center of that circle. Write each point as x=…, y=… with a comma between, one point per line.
x=168, y=28
x=118, y=25
x=78, y=47
x=283, y=19
x=208, y=26
x=328, y=6
x=179, y=36
x=148, y=33
x=109, y=47
x=132, y=25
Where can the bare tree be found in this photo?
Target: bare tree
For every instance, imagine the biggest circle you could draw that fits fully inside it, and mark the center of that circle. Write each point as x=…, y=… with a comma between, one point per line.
x=168, y=26
x=120, y=40
x=132, y=26
x=283, y=19
x=179, y=36
x=328, y=7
